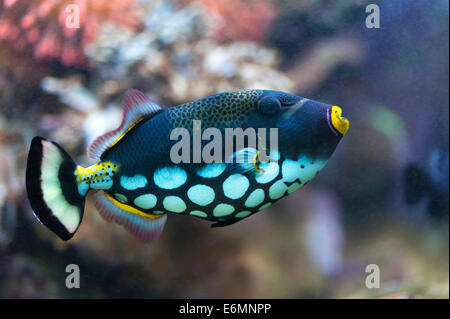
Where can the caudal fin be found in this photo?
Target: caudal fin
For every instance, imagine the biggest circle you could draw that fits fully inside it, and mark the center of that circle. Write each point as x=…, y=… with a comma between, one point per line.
x=52, y=188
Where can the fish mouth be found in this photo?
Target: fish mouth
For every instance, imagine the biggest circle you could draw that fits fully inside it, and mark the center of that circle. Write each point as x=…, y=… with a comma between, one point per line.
x=336, y=121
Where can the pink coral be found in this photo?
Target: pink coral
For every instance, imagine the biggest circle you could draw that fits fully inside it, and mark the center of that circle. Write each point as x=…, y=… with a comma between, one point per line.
x=39, y=26
x=239, y=19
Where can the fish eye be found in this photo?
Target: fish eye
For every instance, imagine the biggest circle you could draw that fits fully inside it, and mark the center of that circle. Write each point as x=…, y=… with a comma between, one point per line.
x=269, y=105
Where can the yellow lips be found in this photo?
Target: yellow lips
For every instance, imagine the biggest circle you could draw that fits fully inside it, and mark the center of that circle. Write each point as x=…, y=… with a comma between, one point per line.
x=341, y=124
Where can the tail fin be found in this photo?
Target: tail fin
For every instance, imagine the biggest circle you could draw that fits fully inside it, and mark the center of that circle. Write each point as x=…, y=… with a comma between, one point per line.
x=52, y=188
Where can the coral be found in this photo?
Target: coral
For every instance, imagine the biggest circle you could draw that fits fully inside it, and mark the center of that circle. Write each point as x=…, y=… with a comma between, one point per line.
x=174, y=56
x=239, y=19
x=44, y=27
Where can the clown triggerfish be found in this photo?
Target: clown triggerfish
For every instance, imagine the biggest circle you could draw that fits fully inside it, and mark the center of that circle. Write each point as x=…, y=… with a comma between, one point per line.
x=141, y=178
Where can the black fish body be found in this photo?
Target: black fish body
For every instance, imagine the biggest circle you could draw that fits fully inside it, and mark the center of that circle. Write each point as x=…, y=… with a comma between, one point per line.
x=142, y=178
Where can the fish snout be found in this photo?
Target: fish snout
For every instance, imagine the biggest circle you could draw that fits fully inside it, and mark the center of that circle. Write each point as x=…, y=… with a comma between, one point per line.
x=336, y=121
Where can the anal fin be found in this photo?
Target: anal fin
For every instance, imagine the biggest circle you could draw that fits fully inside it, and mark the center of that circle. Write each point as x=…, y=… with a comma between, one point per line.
x=146, y=227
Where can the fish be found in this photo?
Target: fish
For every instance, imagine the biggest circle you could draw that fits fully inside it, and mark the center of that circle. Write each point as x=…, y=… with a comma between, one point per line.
x=137, y=183
x=429, y=183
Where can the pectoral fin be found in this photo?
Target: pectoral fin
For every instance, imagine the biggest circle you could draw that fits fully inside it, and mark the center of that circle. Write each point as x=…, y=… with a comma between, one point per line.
x=244, y=161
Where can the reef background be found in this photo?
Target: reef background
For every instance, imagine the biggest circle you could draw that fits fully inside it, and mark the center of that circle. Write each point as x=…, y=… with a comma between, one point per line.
x=392, y=83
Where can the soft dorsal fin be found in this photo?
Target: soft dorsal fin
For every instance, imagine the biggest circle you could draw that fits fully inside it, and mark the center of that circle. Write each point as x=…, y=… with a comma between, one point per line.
x=136, y=106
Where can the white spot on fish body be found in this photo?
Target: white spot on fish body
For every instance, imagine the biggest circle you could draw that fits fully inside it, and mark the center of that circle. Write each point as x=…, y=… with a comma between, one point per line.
x=133, y=183
x=201, y=194
x=277, y=190
x=169, y=177
x=174, y=204
x=235, y=186
x=294, y=187
x=146, y=201
x=265, y=206
x=255, y=198
x=198, y=213
x=211, y=170
x=121, y=198
x=223, y=210
x=291, y=170
x=309, y=168
x=243, y=214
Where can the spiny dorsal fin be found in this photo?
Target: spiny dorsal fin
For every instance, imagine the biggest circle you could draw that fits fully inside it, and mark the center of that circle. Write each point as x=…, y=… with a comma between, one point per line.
x=136, y=106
